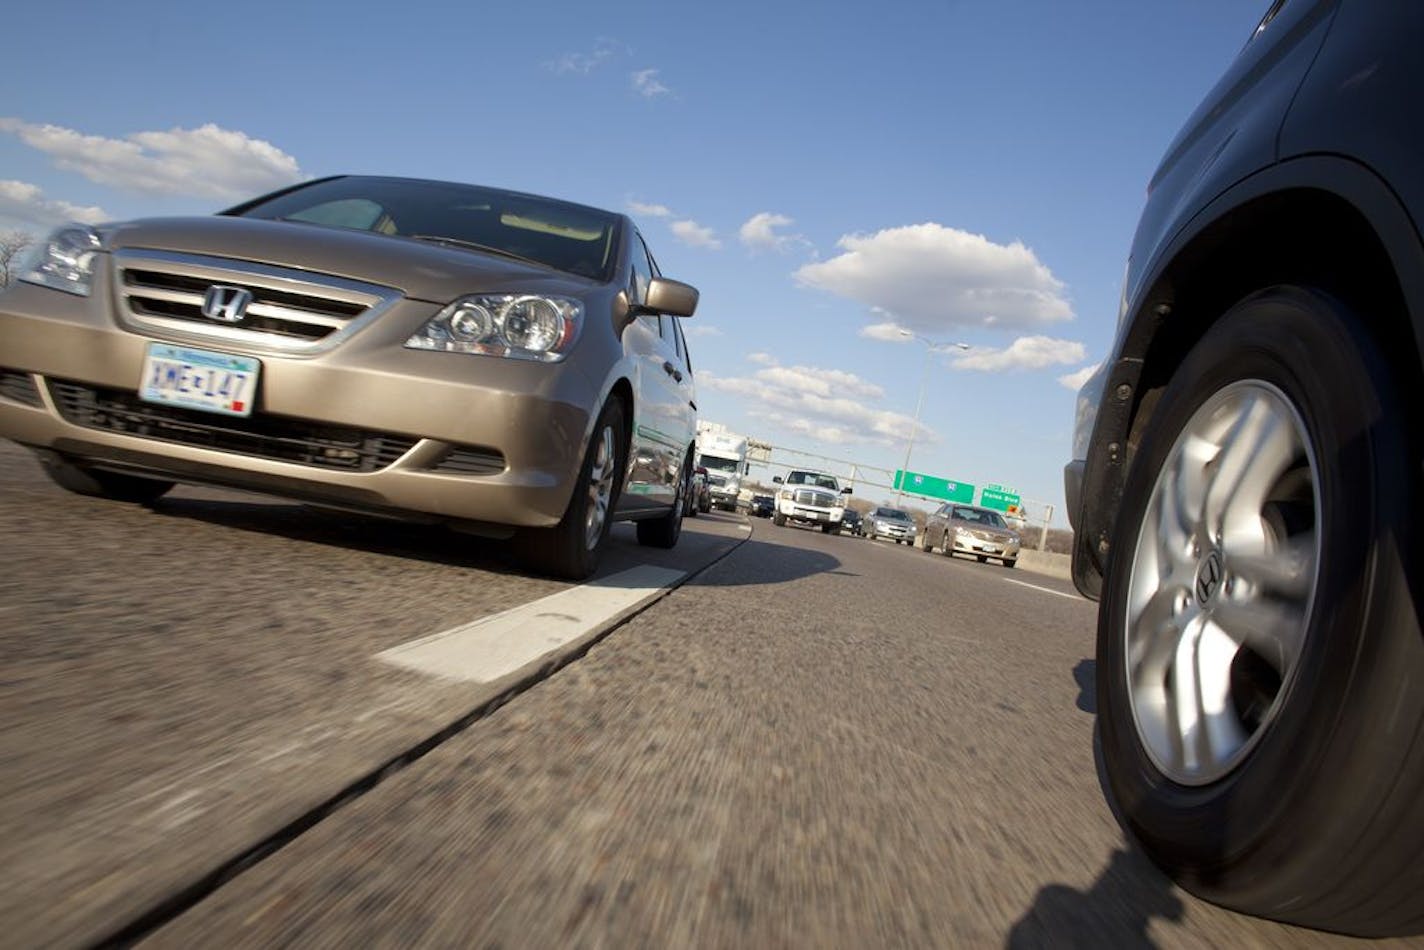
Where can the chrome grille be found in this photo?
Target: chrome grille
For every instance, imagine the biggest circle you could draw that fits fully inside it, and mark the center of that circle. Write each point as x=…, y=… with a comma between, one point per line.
x=807, y=496
x=291, y=311
x=271, y=437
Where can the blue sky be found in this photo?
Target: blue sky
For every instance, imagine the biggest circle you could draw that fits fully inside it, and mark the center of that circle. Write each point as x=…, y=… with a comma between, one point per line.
x=825, y=173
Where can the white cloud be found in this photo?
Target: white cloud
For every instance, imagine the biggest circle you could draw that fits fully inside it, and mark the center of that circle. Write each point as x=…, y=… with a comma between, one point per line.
x=828, y=405
x=584, y=63
x=1075, y=381
x=647, y=85
x=1027, y=352
x=932, y=278
x=206, y=162
x=649, y=210
x=888, y=332
x=27, y=203
x=761, y=359
x=701, y=329
x=695, y=235
x=759, y=232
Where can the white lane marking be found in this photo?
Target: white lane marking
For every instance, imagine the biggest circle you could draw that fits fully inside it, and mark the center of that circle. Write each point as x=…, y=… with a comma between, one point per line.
x=1046, y=590
x=495, y=646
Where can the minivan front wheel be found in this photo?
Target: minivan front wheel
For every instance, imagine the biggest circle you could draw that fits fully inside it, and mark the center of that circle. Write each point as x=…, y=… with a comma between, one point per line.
x=1258, y=646
x=571, y=548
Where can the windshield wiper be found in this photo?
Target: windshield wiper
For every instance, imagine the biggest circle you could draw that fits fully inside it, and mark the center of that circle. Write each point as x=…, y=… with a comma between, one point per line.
x=473, y=246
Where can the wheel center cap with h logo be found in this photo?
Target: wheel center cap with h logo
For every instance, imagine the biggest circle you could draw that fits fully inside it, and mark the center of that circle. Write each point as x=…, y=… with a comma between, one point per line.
x=1209, y=574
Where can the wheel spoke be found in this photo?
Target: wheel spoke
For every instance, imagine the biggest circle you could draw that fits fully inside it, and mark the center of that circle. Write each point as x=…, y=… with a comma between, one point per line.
x=1221, y=733
x=1238, y=446
x=1288, y=571
x=1271, y=628
x=1157, y=631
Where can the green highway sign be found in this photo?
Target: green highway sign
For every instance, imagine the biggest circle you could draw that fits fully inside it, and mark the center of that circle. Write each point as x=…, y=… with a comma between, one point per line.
x=932, y=487
x=1001, y=500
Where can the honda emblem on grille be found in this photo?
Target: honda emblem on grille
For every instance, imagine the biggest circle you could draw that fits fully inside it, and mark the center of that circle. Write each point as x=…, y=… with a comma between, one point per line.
x=226, y=304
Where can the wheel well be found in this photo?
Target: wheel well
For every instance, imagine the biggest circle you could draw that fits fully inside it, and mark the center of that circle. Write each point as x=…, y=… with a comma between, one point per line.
x=623, y=392
x=1302, y=236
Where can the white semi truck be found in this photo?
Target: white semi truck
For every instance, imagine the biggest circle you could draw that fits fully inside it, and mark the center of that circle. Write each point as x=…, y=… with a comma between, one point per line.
x=724, y=455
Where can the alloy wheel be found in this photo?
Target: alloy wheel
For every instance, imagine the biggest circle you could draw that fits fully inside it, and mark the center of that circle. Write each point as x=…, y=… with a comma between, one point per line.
x=600, y=487
x=1223, y=582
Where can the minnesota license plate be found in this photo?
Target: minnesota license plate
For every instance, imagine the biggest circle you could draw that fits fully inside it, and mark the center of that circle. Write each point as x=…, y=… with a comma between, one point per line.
x=199, y=379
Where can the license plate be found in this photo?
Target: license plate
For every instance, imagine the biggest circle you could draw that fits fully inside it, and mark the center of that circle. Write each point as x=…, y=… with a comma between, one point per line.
x=199, y=379
x=992, y=548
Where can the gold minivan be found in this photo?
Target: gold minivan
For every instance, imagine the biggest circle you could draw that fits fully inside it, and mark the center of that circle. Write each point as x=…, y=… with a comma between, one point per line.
x=511, y=365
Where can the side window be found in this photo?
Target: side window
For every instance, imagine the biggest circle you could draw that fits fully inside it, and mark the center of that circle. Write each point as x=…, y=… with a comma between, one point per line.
x=642, y=270
x=642, y=276
x=682, y=346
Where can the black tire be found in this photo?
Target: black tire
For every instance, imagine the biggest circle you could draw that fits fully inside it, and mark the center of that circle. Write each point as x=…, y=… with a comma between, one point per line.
x=981, y=558
x=664, y=531
x=1316, y=821
x=778, y=519
x=925, y=543
x=96, y=483
x=567, y=550
x=1011, y=561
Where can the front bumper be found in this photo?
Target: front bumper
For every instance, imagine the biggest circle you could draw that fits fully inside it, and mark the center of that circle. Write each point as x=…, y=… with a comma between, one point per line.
x=795, y=512
x=724, y=499
x=996, y=549
x=893, y=531
x=468, y=438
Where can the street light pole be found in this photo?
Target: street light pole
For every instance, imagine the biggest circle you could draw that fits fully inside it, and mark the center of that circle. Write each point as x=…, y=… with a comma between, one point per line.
x=930, y=347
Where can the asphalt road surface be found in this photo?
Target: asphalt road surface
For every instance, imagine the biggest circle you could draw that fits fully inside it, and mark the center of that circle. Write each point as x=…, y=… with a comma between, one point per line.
x=230, y=720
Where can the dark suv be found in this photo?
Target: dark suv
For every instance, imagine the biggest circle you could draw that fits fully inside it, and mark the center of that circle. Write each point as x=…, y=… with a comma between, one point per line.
x=1245, y=483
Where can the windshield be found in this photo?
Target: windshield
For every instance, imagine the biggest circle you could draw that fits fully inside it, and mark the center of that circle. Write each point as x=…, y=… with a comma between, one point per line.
x=556, y=234
x=721, y=465
x=892, y=514
x=810, y=478
x=990, y=519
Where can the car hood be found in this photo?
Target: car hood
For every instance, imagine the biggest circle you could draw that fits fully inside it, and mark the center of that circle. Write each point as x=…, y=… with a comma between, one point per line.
x=418, y=270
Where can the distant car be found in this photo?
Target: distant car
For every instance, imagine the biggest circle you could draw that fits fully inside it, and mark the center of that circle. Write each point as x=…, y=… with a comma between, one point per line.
x=1244, y=486
x=967, y=529
x=762, y=506
x=891, y=523
x=435, y=351
x=701, y=499
x=852, y=523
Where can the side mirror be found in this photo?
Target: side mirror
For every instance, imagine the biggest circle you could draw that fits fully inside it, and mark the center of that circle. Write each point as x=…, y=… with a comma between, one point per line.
x=776, y=479
x=671, y=297
x=845, y=490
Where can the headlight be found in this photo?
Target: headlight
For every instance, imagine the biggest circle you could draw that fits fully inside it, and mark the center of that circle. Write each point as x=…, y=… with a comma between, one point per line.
x=65, y=261
x=522, y=326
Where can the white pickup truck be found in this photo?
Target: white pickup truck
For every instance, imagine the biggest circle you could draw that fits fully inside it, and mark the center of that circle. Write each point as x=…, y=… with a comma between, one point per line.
x=810, y=498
